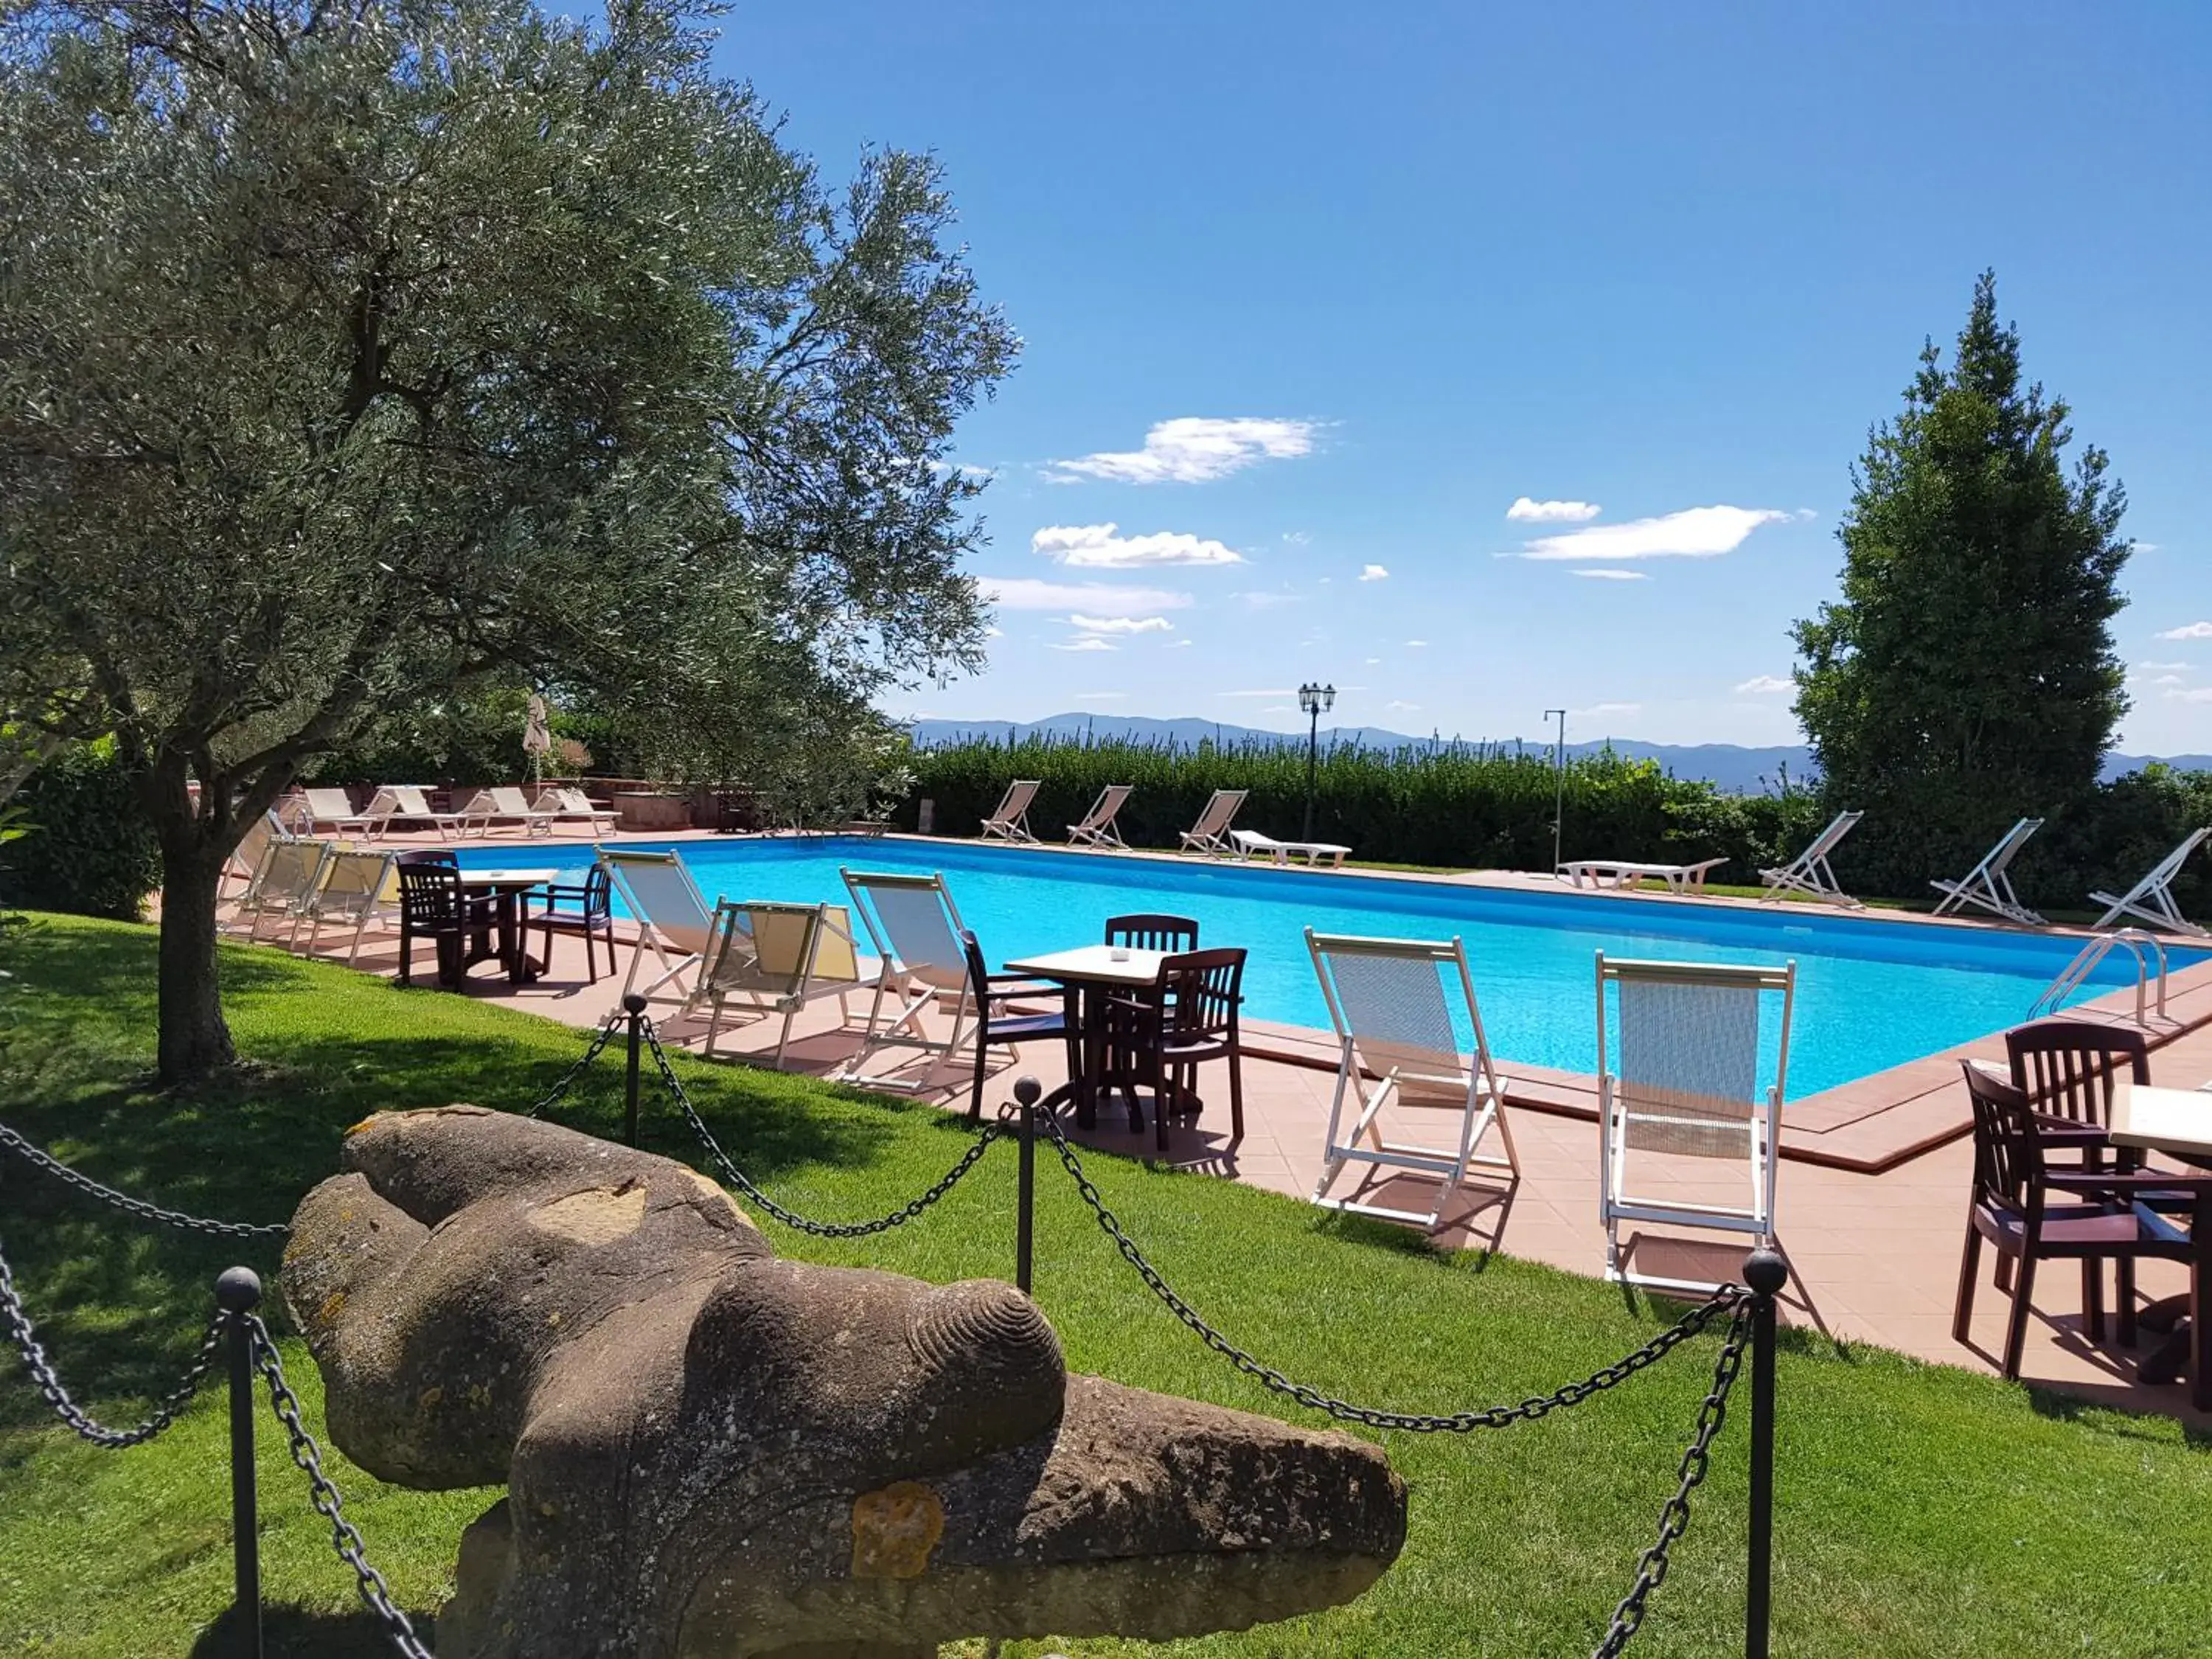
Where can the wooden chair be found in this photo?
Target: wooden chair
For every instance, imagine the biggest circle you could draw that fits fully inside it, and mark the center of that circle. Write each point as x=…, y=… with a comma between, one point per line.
x=2102, y=1214
x=1160, y=1038
x=433, y=905
x=593, y=918
x=993, y=1025
x=1152, y=932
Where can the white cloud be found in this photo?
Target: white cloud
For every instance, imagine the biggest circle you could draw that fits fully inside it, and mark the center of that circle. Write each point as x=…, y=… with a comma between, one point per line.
x=1394, y=704
x=1193, y=449
x=1092, y=599
x=2201, y=694
x=2170, y=679
x=1268, y=601
x=1281, y=708
x=1101, y=547
x=1524, y=511
x=2163, y=667
x=1695, y=533
x=1298, y=537
x=2188, y=631
x=973, y=474
x=1252, y=694
x=1087, y=642
x=1614, y=575
x=1373, y=662
x=1764, y=685
x=1607, y=709
x=1175, y=645
x=994, y=632
x=1121, y=625
x=2147, y=547
x=1373, y=573
x=1416, y=645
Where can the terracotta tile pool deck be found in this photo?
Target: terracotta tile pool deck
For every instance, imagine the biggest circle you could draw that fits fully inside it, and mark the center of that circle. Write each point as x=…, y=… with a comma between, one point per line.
x=1873, y=1183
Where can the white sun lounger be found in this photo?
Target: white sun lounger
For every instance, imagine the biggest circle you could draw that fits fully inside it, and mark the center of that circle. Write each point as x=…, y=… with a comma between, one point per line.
x=1012, y=821
x=310, y=810
x=1683, y=1081
x=777, y=958
x=1097, y=828
x=674, y=921
x=915, y=929
x=407, y=801
x=1391, y=1001
x=356, y=887
x=1626, y=873
x=1808, y=873
x=1249, y=841
x=1210, y=835
x=2151, y=899
x=285, y=885
x=1987, y=885
x=505, y=804
x=244, y=863
x=565, y=803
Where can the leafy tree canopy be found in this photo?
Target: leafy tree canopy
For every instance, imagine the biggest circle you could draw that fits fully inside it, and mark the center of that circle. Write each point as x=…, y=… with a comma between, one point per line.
x=1967, y=676
x=352, y=357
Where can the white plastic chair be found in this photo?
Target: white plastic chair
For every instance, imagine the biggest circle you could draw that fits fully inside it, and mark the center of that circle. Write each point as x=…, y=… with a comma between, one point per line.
x=777, y=958
x=1987, y=885
x=2151, y=899
x=1097, y=828
x=1210, y=835
x=1012, y=821
x=1391, y=1001
x=355, y=887
x=1682, y=1080
x=674, y=920
x=1808, y=873
x=915, y=929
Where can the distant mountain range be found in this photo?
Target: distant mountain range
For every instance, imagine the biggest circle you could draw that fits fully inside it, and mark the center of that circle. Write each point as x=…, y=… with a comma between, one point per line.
x=1728, y=766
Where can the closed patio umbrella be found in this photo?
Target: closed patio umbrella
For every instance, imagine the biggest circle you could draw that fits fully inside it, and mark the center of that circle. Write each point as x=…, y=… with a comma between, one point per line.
x=537, y=737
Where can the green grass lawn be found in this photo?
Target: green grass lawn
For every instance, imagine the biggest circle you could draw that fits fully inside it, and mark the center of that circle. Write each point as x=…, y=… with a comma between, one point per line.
x=1922, y=1511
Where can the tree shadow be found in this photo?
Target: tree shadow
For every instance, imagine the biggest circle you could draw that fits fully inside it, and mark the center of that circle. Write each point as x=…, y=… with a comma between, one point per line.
x=292, y=1632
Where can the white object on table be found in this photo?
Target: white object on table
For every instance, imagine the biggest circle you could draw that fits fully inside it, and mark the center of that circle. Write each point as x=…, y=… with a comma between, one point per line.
x=1097, y=965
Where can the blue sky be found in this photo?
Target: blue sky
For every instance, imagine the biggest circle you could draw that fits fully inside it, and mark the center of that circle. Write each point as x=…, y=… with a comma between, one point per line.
x=1313, y=293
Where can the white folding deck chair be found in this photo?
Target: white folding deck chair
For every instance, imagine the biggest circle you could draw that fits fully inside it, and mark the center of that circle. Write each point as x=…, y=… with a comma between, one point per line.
x=1988, y=885
x=565, y=803
x=2151, y=899
x=1097, y=828
x=406, y=800
x=777, y=957
x=674, y=920
x=244, y=864
x=915, y=930
x=355, y=887
x=309, y=809
x=291, y=872
x=1391, y=1001
x=1808, y=873
x=1210, y=835
x=501, y=803
x=1012, y=821
x=1682, y=1080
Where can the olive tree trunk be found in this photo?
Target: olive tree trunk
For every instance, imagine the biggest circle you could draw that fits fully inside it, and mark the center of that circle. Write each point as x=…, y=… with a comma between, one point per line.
x=195, y=837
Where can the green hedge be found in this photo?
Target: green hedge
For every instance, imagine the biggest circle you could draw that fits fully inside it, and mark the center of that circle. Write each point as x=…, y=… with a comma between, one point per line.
x=1472, y=806
x=90, y=849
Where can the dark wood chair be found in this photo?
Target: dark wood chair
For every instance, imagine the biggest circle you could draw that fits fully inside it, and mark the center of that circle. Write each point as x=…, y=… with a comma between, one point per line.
x=1152, y=932
x=433, y=905
x=996, y=1025
x=2098, y=1218
x=1159, y=1039
x=2069, y=1070
x=593, y=918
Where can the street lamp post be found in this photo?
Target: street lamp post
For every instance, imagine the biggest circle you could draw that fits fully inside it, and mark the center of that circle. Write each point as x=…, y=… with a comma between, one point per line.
x=1314, y=701
x=1558, y=783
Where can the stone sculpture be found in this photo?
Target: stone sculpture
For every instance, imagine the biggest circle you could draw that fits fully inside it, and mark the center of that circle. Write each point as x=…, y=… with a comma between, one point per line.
x=709, y=1452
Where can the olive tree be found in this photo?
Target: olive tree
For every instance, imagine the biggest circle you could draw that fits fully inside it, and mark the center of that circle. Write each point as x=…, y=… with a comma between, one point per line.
x=356, y=355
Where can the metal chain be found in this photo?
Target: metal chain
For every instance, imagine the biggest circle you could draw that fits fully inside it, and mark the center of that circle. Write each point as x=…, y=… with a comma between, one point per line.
x=345, y=1538
x=50, y=1385
x=137, y=1206
x=600, y=1039
x=745, y=1184
x=1675, y=1516
x=1493, y=1417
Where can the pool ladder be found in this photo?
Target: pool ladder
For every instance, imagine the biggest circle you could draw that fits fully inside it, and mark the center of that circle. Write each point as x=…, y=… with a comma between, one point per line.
x=2076, y=972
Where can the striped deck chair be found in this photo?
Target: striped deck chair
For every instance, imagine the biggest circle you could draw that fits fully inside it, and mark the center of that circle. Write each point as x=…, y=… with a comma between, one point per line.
x=1682, y=1079
x=355, y=887
x=1097, y=828
x=915, y=929
x=777, y=958
x=1391, y=1001
x=674, y=920
x=1210, y=835
x=1012, y=821
x=1808, y=873
x=2151, y=899
x=1987, y=885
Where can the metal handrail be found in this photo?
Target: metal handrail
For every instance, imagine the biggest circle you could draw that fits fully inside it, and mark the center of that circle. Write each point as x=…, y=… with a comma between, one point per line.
x=2077, y=973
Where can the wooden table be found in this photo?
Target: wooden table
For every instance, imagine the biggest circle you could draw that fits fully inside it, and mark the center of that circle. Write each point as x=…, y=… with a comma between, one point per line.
x=506, y=941
x=2177, y=1121
x=1088, y=975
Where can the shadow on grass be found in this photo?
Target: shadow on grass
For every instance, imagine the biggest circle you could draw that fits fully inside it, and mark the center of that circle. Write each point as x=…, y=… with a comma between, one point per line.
x=289, y=1632
x=2122, y=1416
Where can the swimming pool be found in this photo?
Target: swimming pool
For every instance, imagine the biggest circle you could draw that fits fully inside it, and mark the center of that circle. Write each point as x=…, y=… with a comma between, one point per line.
x=1871, y=995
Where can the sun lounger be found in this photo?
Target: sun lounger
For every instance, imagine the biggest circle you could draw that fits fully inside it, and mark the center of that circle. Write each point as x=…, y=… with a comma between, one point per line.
x=2151, y=899
x=1249, y=841
x=244, y=863
x=307, y=812
x=355, y=887
x=1012, y=821
x=1808, y=873
x=675, y=922
x=407, y=803
x=1210, y=835
x=1987, y=885
x=777, y=958
x=504, y=805
x=566, y=804
x=1097, y=828
x=1626, y=873
x=285, y=885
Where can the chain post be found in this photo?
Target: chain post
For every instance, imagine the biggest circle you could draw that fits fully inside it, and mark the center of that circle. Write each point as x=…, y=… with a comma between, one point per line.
x=1766, y=1273
x=634, y=1005
x=238, y=1292
x=1027, y=1092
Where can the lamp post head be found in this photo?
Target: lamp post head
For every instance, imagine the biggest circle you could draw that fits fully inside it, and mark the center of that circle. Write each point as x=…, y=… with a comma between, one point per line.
x=1316, y=699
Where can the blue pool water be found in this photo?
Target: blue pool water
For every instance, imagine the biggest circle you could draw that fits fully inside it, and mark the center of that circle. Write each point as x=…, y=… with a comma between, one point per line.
x=1870, y=995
